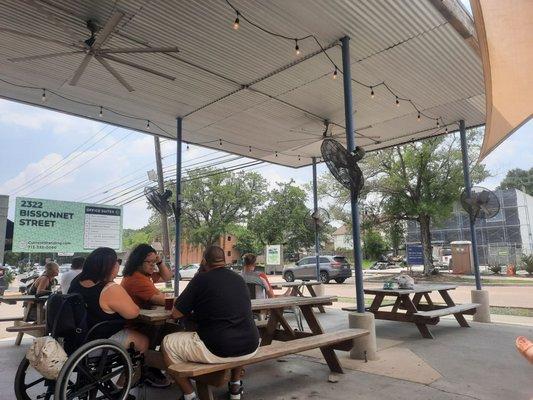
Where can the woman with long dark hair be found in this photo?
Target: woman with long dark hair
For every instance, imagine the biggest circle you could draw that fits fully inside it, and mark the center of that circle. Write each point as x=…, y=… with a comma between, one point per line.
x=143, y=269
x=106, y=300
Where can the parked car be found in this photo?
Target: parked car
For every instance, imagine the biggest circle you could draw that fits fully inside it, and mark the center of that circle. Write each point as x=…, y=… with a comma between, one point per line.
x=331, y=267
x=188, y=271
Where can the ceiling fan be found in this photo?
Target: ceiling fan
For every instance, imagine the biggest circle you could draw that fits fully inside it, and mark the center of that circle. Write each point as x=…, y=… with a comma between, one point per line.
x=93, y=47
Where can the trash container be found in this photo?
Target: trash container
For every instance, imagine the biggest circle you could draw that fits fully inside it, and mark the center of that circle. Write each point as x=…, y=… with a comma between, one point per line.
x=462, y=257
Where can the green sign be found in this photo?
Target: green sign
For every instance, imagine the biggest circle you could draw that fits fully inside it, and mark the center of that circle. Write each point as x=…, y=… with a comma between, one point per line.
x=273, y=255
x=50, y=226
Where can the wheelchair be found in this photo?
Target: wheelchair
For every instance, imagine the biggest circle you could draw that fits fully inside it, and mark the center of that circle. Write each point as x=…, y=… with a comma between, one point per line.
x=91, y=372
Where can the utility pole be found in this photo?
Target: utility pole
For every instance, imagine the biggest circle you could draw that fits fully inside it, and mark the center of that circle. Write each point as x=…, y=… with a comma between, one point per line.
x=161, y=186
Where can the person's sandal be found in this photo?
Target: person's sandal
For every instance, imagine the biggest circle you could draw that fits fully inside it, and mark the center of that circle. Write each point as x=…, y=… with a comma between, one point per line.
x=524, y=346
x=235, y=394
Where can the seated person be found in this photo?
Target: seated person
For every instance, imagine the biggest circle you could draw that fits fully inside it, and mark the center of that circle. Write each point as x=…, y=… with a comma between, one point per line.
x=226, y=329
x=66, y=277
x=260, y=279
x=44, y=283
x=144, y=268
x=525, y=347
x=106, y=300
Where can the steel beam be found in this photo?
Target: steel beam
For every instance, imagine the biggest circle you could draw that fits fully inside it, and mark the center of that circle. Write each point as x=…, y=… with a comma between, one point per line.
x=177, y=244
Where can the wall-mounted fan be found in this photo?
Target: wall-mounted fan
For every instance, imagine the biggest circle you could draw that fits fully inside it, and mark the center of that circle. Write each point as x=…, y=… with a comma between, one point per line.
x=481, y=203
x=93, y=47
x=343, y=165
x=318, y=219
x=160, y=201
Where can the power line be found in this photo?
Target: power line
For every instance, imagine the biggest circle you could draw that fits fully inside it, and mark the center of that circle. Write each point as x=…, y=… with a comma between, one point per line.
x=63, y=160
x=81, y=165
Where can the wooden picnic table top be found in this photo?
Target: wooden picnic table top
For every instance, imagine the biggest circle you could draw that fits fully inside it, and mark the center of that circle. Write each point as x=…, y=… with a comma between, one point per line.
x=159, y=313
x=296, y=283
x=417, y=289
x=24, y=297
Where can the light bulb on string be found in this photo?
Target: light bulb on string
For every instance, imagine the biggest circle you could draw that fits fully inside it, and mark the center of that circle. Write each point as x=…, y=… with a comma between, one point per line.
x=236, y=24
x=148, y=124
x=101, y=113
x=187, y=146
x=418, y=118
x=299, y=158
x=371, y=92
x=438, y=124
x=43, y=97
x=296, y=47
x=397, y=102
x=276, y=153
x=446, y=130
x=335, y=73
x=220, y=142
x=249, y=149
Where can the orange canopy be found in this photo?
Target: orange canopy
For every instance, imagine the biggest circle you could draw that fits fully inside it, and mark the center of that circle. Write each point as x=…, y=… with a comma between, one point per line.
x=505, y=36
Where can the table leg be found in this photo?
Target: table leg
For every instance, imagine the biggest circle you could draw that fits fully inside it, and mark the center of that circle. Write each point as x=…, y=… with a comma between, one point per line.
x=450, y=303
x=376, y=303
x=411, y=309
x=428, y=300
x=268, y=334
x=18, y=340
x=416, y=299
x=313, y=294
x=397, y=304
x=327, y=352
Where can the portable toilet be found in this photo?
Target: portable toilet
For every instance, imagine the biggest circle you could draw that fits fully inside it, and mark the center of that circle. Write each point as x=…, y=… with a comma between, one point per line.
x=462, y=257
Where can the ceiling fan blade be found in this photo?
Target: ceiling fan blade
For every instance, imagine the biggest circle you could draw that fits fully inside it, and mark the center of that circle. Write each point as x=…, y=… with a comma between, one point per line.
x=52, y=18
x=108, y=28
x=141, y=67
x=115, y=74
x=140, y=50
x=31, y=35
x=80, y=70
x=45, y=56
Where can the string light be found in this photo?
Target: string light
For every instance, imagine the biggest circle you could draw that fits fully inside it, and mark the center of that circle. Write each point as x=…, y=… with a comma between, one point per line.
x=220, y=142
x=101, y=113
x=299, y=158
x=249, y=149
x=446, y=130
x=187, y=146
x=296, y=47
x=148, y=124
x=418, y=118
x=371, y=91
x=438, y=124
x=236, y=24
x=43, y=97
x=397, y=102
x=276, y=153
x=335, y=73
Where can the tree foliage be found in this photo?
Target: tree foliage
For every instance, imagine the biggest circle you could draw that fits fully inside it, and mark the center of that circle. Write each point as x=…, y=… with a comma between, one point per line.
x=374, y=245
x=518, y=179
x=212, y=201
x=282, y=219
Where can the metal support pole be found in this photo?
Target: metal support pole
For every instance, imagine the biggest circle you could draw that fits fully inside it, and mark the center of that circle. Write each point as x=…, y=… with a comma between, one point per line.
x=350, y=142
x=161, y=187
x=315, y=210
x=466, y=175
x=177, y=244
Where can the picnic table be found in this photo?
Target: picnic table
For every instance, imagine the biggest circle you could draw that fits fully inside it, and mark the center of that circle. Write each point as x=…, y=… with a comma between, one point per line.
x=421, y=314
x=22, y=324
x=298, y=288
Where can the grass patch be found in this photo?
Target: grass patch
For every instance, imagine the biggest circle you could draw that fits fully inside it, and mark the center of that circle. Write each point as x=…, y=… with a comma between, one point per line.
x=368, y=263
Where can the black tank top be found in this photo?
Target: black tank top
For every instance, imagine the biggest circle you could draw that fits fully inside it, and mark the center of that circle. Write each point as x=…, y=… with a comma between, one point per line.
x=95, y=314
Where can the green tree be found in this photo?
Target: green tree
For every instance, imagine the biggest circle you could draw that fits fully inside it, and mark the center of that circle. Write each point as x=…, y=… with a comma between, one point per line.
x=212, y=202
x=373, y=245
x=282, y=220
x=134, y=237
x=421, y=181
x=246, y=240
x=518, y=179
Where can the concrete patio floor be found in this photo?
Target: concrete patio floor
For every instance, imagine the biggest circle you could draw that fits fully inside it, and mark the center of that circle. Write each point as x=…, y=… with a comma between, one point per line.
x=475, y=363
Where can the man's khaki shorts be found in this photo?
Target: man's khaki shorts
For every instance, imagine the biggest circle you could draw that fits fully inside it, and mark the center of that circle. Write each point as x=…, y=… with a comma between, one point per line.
x=187, y=346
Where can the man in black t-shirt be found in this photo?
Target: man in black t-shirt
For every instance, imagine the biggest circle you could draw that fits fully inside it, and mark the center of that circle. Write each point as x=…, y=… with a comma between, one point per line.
x=226, y=332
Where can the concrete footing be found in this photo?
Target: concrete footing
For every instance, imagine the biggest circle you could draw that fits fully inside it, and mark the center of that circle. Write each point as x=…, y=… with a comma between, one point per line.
x=364, y=347
x=483, y=312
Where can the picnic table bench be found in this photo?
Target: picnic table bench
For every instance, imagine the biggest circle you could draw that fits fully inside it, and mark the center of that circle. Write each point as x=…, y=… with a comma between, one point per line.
x=22, y=324
x=277, y=328
x=297, y=289
x=421, y=314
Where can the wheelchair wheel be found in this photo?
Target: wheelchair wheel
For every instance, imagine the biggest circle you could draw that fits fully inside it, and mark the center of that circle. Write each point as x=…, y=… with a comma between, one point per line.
x=31, y=385
x=92, y=372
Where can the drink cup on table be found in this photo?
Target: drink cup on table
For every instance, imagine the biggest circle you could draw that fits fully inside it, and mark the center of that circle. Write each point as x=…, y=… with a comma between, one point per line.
x=169, y=300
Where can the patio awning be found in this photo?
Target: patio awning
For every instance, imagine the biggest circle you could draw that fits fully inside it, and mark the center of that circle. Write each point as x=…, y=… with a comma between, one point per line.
x=244, y=91
x=505, y=35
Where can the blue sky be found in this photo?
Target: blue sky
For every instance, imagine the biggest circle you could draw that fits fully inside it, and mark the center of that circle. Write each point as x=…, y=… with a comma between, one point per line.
x=34, y=140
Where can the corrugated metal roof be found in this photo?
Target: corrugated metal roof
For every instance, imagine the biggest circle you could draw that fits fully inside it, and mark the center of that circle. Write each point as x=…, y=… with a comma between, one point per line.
x=246, y=87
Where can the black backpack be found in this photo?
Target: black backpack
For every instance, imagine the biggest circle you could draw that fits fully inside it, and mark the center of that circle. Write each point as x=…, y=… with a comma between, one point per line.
x=66, y=317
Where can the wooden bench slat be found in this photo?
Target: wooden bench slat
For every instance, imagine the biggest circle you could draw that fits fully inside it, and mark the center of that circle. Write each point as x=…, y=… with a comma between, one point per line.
x=26, y=328
x=460, y=308
x=9, y=319
x=272, y=351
